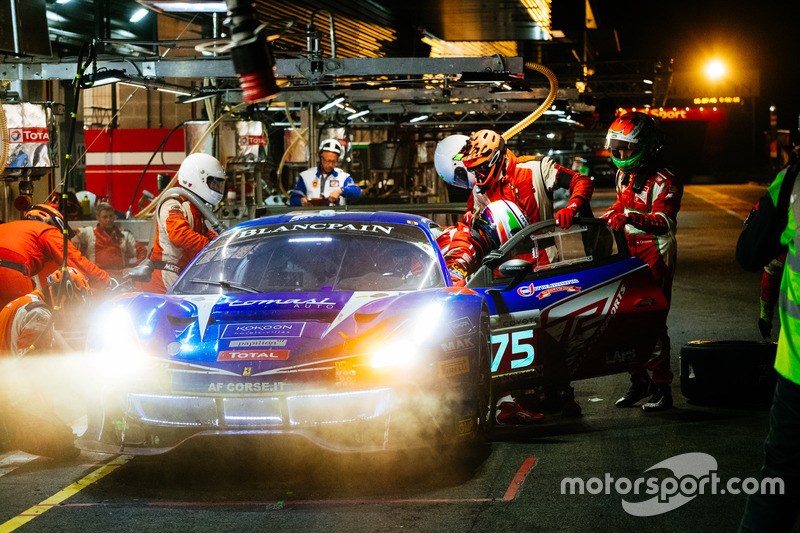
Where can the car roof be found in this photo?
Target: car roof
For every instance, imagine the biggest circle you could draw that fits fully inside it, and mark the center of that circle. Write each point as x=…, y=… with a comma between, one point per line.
x=340, y=216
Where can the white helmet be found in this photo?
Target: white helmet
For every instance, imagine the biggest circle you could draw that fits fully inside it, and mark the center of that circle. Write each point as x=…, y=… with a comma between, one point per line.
x=448, y=163
x=203, y=175
x=331, y=145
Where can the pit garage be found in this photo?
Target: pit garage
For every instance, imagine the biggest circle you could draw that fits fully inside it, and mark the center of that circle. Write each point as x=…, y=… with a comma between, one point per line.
x=103, y=101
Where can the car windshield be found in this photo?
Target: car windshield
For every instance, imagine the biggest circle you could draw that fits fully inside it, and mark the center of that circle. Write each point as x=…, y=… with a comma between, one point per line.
x=314, y=261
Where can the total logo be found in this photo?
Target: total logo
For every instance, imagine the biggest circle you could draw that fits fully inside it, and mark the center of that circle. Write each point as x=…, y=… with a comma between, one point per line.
x=253, y=355
x=28, y=135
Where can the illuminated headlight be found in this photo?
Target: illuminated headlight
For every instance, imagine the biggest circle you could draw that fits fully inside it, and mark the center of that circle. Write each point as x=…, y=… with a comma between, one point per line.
x=116, y=344
x=405, y=351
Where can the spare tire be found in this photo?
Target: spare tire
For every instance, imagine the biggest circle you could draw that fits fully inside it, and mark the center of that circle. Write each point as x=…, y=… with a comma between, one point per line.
x=728, y=373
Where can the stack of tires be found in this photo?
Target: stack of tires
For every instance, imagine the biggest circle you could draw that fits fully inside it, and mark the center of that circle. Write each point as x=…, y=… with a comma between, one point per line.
x=728, y=373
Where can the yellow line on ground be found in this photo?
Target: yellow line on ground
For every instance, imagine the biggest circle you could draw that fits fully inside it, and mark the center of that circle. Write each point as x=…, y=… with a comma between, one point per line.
x=26, y=516
x=735, y=206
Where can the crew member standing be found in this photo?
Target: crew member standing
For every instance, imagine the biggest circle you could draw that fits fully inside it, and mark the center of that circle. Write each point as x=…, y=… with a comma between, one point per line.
x=108, y=245
x=181, y=231
x=325, y=184
x=28, y=245
x=648, y=199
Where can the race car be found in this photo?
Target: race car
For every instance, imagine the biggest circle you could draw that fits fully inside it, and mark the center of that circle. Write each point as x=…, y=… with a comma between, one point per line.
x=343, y=328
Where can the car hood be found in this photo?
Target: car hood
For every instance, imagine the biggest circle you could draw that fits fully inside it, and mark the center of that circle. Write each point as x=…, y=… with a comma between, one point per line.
x=268, y=331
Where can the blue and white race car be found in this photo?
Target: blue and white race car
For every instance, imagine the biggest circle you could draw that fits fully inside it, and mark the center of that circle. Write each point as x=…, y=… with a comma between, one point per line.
x=343, y=328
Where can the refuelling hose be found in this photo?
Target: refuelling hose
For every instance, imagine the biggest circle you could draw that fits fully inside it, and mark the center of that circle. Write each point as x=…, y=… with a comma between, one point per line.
x=527, y=121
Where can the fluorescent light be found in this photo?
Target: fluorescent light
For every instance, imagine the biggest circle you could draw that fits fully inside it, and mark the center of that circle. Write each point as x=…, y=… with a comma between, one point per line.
x=106, y=81
x=648, y=82
x=180, y=92
x=134, y=84
x=332, y=103
x=192, y=7
x=139, y=15
x=359, y=114
x=197, y=98
x=62, y=1
x=419, y=118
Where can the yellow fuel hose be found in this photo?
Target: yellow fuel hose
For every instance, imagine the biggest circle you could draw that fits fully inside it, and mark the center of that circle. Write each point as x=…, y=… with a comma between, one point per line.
x=527, y=121
x=3, y=139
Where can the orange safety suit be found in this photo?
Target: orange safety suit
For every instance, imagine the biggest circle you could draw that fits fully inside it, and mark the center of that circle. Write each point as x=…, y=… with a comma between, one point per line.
x=180, y=235
x=24, y=324
x=26, y=246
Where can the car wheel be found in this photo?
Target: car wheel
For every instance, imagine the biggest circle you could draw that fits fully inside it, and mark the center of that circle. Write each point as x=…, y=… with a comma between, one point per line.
x=728, y=373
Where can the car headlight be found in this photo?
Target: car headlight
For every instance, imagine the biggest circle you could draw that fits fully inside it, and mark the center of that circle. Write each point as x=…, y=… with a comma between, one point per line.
x=115, y=344
x=405, y=351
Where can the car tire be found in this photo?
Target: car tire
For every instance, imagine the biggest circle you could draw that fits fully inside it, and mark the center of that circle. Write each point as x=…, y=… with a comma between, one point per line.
x=728, y=373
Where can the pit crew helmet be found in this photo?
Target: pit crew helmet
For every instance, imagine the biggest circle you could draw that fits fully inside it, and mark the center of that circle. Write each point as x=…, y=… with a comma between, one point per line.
x=485, y=154
x=49, y=215
x=203, y=175
x=497, y=223
x=71, y=288
x=331, y=145
x=448, y=164
x=634, y=131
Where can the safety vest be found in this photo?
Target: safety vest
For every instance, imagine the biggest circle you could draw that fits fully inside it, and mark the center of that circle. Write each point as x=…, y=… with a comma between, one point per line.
x=787, y=361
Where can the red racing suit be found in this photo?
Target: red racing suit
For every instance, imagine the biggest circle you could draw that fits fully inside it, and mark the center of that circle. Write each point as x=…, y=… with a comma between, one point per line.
x=26, y=246
x=180, y=235
x=460, y=255
x=529, y=182
x=24, y=324
x=651, y=216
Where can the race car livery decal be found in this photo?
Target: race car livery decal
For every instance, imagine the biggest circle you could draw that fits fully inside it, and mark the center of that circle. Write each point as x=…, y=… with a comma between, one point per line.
x=253, y=355
x=310, y=303
x=263, y=330
x=246, y=388
x=457, y=345
x=521, y=351
x=548, y=292
x=460, y=326
x=314, y=226
x=257, y=343
x=542, y=291
x=356, y=302
x=204, y=304
x=454, y=367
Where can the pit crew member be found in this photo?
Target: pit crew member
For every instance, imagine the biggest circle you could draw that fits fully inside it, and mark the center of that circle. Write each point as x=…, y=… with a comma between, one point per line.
x=325, y=184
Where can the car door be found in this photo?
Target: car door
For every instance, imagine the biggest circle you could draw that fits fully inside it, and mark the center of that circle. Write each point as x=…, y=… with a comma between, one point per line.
x=568, y=304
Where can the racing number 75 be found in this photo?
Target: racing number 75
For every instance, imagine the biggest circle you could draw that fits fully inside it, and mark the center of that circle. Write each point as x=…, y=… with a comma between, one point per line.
x=516, y=348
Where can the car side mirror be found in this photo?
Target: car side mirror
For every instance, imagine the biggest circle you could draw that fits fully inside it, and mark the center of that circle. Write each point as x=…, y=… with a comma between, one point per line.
x=516, y=268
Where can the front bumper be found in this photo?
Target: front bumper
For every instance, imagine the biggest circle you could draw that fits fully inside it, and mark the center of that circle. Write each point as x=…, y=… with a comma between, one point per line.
x=346, y=421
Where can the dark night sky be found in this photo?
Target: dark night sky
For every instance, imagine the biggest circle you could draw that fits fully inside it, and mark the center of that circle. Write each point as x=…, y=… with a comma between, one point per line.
x=749, y=34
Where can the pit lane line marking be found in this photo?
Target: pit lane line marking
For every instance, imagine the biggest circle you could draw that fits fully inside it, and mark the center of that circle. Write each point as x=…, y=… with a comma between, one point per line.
x=56, y=499
x=733, y=206
x=510, y=495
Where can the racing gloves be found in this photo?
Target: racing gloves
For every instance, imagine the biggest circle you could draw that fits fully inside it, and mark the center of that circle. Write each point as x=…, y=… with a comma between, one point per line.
x=653, y=224
x=565, y=217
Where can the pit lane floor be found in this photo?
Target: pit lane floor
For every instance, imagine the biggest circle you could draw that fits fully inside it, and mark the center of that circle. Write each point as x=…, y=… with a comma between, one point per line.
x=514, y=484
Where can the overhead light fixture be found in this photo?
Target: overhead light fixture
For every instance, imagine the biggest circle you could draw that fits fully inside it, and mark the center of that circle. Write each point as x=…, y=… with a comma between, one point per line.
x=648, y=82
x=419, y=118
x=133, y=84
x=175, y=90
x=139, y=15
x=203, y=95
x=186, y=7
x=62, y=1
x=358, y=114
x=336, y=101
x=348, y=108
x=105, y=77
